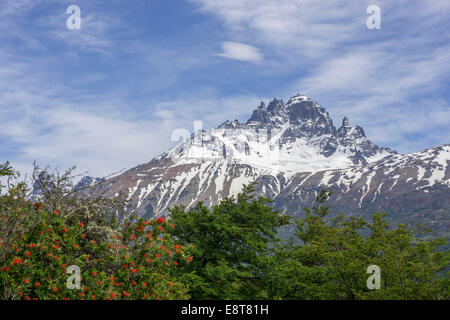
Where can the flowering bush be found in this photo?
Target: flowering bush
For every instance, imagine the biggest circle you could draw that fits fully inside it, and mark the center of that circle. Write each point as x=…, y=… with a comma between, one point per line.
x=136, y=265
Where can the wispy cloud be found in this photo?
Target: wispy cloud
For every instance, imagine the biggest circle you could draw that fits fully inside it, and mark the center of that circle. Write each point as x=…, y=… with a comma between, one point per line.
x=95, y=33
x=240, y=51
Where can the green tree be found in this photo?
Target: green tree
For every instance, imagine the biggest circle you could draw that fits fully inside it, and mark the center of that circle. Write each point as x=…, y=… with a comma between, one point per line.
x=230, y=245
x=328, y=259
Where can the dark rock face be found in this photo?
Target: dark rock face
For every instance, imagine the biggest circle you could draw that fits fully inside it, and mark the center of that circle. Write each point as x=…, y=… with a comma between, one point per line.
x=260, y=114
x=275, y=107
x=309, y=120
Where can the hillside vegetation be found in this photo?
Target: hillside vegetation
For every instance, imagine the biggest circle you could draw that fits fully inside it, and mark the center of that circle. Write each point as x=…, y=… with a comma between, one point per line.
x=229, y=251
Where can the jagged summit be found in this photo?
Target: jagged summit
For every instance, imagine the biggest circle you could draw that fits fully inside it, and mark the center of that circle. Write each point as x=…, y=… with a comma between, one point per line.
x=296, y=136
x=298, y=108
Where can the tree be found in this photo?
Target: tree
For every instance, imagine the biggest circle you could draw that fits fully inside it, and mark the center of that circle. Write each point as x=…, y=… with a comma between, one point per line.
x=329, y=260
x=230, y=244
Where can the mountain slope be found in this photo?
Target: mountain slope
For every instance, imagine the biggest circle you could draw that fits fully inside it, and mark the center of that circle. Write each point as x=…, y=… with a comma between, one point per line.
x=293, y=151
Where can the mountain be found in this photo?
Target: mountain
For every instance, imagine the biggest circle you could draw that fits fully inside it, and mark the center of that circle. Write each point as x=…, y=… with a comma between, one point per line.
x=293, y=151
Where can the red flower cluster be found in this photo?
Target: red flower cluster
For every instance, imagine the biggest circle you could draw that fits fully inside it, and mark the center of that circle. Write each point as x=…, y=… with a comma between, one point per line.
x=160, y=220
x=145, y=252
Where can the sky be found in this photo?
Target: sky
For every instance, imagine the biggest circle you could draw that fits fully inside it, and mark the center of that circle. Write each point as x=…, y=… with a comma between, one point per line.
x=108, y=96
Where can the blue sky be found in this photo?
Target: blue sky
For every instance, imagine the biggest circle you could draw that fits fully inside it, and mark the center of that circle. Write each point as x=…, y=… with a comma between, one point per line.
x=108, y=96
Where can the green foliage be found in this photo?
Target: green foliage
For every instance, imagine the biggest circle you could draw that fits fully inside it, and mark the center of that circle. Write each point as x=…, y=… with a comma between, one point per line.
x=132, y=260
x=230, y=243
x=332, y=259
x=229, y=251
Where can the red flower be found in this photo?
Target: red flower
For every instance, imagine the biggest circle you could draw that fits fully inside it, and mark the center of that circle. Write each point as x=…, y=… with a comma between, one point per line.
x=75, y=245
x=56, y=212
x=28, y=253
x=160, y=220
x=26, y=280
x=81, y=224
x=64, y=230
x=175, y=263
x=94, y=273
x=37, y=284
x=170, y=284
x=126, y=294
x=189, y=259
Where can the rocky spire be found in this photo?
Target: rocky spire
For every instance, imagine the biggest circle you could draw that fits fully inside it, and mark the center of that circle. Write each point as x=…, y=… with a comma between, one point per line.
x=260, y=114
x=275, y=106
x=345, y=123
x=345, y=128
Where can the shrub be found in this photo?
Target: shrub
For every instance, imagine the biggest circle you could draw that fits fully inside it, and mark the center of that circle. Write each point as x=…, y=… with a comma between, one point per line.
x=134, y=261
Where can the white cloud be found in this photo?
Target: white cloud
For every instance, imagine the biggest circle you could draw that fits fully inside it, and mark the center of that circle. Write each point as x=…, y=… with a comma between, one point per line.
x=240, y=51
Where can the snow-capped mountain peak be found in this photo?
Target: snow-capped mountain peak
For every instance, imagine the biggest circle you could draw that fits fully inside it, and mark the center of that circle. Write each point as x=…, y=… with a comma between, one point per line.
x=294, y=137
x=292, y=151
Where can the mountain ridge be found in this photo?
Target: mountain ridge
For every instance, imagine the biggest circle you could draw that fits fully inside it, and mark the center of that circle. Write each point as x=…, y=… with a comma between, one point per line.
x=293, y=151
